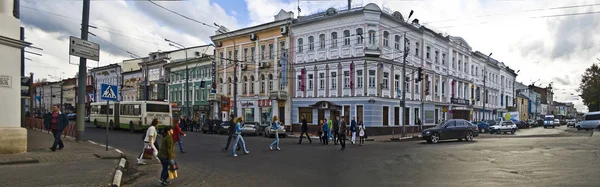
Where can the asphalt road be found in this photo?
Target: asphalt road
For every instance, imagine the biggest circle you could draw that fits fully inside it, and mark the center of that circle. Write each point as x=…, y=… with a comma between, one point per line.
x=569, y=159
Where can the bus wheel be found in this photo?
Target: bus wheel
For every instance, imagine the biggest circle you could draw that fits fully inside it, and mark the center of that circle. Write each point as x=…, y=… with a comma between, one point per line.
x=131, y=127
x=111, y=125
x=96, y=124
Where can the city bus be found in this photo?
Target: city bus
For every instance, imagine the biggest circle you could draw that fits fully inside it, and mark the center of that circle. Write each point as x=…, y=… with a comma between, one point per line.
x=131, y=115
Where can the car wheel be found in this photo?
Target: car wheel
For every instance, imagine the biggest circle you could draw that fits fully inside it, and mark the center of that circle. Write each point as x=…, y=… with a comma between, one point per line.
x=469, y=136
x=505, y=132
x=491, y=131
x=578, y=128
x=552, y=126
x=512, y=131
x=498, y=131
x=435, y=138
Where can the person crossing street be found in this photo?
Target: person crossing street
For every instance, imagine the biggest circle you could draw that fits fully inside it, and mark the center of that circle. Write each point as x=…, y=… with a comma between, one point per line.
x=238, y=136
x=275, y=127
x=353, y=130
x=343, y=129
x=56, y=121
x=304, y=130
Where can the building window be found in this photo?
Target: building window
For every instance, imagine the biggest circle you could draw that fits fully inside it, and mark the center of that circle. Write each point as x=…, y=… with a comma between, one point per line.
x=222, y=57
x=443, y=88
x=359, y=36
x=333, y=80
x=229, y=86
x=306, y=112
x=416, y=87
x=466, y=67
x=322, y=41
x=263, y=52
x=459, y=64
x=346, y=79
x=245, y=90
x=281, y=46
x=386, y=77
x=371, y=78
x=230, y=59
x=262, y=83
x=252, y=84
x=397, y=42
x=453, y=62
x=359, y=78
x=334, y=39
x=472, y=72
x=270, y=82
x=397, y=82
x=310, y=81
x=300, y=43
x=281, y=86
x=311, y=43
x=322, y=81
x=253, y=52
x=417, y=49
x=428, y=52
x=299, y=84
x=443, y=58
x=406, y=87
x=221, y=85
x=371, y=37
x=386, y=39
x=271, y=50
x=235, y=54
x=346, y=37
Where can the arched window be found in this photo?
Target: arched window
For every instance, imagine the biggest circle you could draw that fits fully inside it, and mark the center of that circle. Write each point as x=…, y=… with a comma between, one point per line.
x=397, y=42
x=229, y=86
x=417, y=49
x=311, y=43
x=346, y=37
x=245, y=90
x=386, y=38
x=334, y=39
x=322, y=41
x=270, y=82
x=262, y=83
x=428, y=52
x=252, y=84
x=359, y=36
x=300, y=44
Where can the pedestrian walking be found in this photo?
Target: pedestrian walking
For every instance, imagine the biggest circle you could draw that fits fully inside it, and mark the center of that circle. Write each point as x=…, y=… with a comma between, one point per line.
x=238, y=135
x=150, y=141
x=275, y=128
x=231, y=132
x=166, y=155
x=304, y=130
x=320, y=133
x=326, y=132
x=342, y=133
x=361, y=133
x=330, y=126
x=353, y=130
x=56, y=122
x=336, y=130
x=177, y=133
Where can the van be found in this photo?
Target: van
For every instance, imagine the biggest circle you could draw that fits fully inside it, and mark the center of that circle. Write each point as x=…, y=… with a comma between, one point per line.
x=591, y=120
x=549, y=121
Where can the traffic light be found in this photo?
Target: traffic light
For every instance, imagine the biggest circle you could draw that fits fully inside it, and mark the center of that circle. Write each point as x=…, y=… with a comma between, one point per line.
x=419, y=74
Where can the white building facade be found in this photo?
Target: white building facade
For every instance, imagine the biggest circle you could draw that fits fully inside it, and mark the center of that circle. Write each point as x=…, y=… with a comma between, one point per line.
x=109, y=74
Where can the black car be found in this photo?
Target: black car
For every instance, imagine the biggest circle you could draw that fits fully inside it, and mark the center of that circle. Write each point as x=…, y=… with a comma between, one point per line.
x=211, y=127
x=452, y=129
x=224, y=128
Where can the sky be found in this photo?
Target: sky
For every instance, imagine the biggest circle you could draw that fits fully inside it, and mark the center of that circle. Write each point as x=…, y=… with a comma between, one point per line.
x=550, y=41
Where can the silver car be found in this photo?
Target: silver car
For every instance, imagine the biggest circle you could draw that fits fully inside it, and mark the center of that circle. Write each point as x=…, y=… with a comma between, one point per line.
x=251, y=128
x=268, y=131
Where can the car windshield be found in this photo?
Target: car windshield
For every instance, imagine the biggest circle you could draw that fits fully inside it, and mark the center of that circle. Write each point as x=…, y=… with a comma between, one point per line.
x=548, y=119
x=441, y=124
x=507, y=123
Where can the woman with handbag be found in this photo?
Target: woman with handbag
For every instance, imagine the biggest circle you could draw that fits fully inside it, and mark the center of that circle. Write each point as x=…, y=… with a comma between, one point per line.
x=166, y=155
x=361, y=133
x=238, y=133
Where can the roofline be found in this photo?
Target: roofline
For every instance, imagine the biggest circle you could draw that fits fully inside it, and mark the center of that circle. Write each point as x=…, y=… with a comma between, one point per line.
x=190, y=60
x=207, y=45
x=110, y=66
x=245, y=30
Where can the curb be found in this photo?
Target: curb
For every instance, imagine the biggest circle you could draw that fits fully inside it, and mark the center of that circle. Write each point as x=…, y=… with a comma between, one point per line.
x=26, y=161
x=118, y=175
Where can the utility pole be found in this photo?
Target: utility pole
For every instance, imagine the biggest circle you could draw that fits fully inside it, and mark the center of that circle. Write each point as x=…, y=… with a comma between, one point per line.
x=403, y=102
x=82, y=78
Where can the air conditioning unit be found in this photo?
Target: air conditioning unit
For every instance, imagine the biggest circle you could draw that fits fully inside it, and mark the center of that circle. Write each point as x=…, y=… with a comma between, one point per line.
x=283, y=30
x=197, y=53
x=324, y=105
x=253, y=37
x=219, y=44
x=243, y=66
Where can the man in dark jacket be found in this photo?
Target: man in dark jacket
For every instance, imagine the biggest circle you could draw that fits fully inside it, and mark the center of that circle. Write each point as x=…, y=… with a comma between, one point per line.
x=353, y=129
x=56, y=122
x=304, y=130
x=342, y=133
x=231, y=133
x=336, y=129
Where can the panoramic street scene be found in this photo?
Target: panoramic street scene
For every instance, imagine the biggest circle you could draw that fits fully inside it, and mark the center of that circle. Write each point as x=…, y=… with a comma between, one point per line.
x=261, y=93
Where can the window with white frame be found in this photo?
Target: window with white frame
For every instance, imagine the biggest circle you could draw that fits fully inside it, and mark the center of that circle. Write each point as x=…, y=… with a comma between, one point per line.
x=397, y=42
x=253, y=52
x=359, y=36
x=407, y=86
x=386, y=38
x=230, y=59
x=333, y=80
x=334, y=39
x=372, y=37
x=281, y=46
x=321, y=81
x=437, y=54
x=417, y=49
x=271, y=50
x=417, y=88
x=262, y=83
x=428, y=52
x=300, y=44
x=196, y=95
x=222, y=57
x=443, y=58
x=322, y=41
x=221, y=87
x=252, y=84
x=245, y=90
x=299, y=82
x=443, y=88
x=310, y=81
x=281, y=86
x=263, y=52
x=311, y=43
x=229, y=85
x=472, y=72
x=386, y=77
x=466, y=70
x=346, y=37
x=346, y=79
x=397, y=82
x=359, y=78
x=371, y=78
x=270, y=82
x=235, y=54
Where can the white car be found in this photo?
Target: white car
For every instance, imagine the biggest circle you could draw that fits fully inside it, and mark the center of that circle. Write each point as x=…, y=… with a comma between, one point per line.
x=268, y=131
x=504, y=126
x=571, y=122
x=556, y=122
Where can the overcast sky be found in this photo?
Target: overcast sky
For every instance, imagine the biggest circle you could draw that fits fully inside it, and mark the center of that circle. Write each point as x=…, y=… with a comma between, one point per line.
x=548, y=41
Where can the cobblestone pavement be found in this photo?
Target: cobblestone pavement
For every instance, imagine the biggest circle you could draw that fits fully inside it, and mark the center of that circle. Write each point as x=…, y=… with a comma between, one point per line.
x=78, y=164
x=539, y=161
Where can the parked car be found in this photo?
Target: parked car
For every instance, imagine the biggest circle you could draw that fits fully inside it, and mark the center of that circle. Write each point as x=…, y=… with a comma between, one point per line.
x=532, y=122
x=72, y=116
x=452, y=129
x=505, y=126
x=522, y=124
x=591, y=120
x=563, y=121
x=252, y=128
x=490, y=122
x=211, y=127
x=223, y=128
x=557, y=122
x=549, y=121
x=482, y=126
x=571, y=122
x=268, y=131
x=87, y=118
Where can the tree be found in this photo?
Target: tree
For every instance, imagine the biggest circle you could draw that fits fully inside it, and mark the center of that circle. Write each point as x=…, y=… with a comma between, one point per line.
x=590, y=88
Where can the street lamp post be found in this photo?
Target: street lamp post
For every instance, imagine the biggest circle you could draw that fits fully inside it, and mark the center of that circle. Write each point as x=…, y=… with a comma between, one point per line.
x=187, y=75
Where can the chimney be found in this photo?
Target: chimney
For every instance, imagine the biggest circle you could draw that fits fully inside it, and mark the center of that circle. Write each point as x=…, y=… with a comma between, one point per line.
x=415, y=21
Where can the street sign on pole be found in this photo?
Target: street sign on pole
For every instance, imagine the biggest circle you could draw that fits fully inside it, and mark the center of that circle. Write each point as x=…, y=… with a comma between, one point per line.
x=84, y=49
x=108, y=94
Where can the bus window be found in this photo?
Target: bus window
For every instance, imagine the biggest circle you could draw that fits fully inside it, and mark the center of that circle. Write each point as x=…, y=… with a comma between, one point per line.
x=157, y=108
x=102, y=109
x=137, y=110
x=94, y=109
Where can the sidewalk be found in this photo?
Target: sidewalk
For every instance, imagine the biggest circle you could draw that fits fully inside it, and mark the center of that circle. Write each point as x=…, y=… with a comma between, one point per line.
x=380, y=138
x=78, y=164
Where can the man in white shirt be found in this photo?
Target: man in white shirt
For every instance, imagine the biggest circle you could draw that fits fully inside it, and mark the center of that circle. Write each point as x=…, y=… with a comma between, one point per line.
x=149, y=140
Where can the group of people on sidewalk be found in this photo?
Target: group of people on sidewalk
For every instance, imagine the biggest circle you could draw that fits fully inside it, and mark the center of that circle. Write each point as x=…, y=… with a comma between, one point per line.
x=336, y=130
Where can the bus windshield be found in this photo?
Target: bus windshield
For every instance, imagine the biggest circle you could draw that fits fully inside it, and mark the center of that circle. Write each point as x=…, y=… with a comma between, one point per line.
x=548, y=119
x=157, y=108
